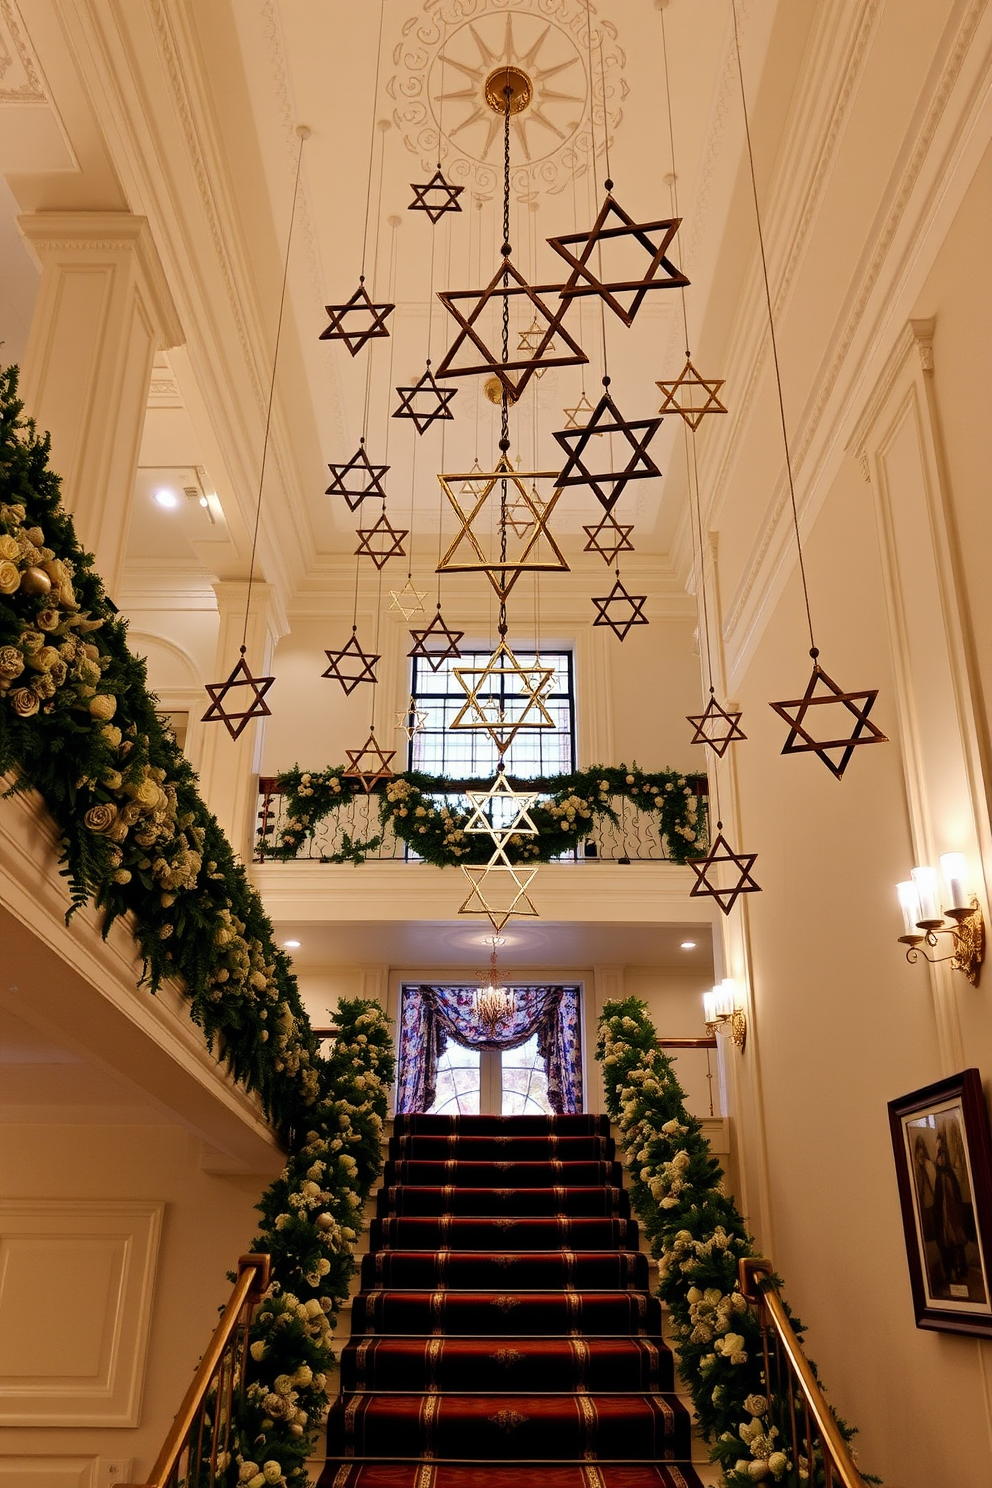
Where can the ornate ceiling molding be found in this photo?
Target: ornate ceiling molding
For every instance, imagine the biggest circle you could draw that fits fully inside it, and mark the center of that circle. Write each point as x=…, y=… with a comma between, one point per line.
x=21, y=79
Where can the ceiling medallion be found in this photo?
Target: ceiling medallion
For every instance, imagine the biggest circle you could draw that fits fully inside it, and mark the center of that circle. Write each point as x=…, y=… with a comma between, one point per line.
x=234, y=722
x=608, y=538
x=631, y=608
x=717, y=727
x=499, y=890
x=508, y=560
x=583, y=280
x=691, y=396
x=609, y=484
x=357, y=479
x=433, y=654
x=425, y=402
x=491, y=707
x=341, y=668
x=719, y=855
x=370, y=320
x=370, y=764
x=856, y=704
x=445, y=197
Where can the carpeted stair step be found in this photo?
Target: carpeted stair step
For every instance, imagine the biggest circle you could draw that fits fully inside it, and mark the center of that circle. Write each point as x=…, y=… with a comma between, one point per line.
x=493, y=1148
x=502, y=1126
x=470, y=1270
x=539, y=1364
x=405, y=1198
x=506, y=1173
x=507, y=1314
x=496, y=1475
x=463, y=1232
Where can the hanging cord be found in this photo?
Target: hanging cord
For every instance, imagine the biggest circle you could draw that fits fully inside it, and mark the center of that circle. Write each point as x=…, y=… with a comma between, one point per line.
x=813, y=651
x=304, y=135
x=375, y=101
x=675, y=178
x=504, y=422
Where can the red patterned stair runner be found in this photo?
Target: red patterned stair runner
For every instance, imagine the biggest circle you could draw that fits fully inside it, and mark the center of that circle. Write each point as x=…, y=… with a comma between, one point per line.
x=505, y=1335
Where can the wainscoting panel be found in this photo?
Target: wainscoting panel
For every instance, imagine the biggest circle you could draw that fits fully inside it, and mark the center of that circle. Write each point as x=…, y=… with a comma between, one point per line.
x=48, y=1472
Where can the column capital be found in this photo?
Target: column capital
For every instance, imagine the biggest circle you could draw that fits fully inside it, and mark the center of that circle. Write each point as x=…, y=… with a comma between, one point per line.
x=264, y=604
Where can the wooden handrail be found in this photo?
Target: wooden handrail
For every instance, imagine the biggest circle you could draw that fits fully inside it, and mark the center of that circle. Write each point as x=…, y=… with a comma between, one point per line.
x=253, y=1278
x=707, y=1042
x=765, y=1297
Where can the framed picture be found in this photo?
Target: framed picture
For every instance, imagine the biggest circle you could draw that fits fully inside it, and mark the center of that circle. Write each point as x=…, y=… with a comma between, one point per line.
x=943, y=1151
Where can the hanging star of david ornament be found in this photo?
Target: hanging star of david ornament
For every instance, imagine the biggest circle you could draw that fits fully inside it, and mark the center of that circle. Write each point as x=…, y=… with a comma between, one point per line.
x=425, y=402
x=519, y=515
x=691, y=396
x=240, y=677
x=609, y=538
x=351, y=664
x=370, y=764
x=856, y=705
x=530, y=339
x=499, y=890
x=501, y=812
x=437, y=643
x=443, y=198
x=630, y=610
x=579, y=416
x=475, y=552
x=357, y=479
x=368, y=320
x=503, y=697
x=716, y=726
x=409, y=600
x=411, y=719
x=470, y=342
x=381, y=542
x=609, y=484
x=708, y=873
x=660, y=273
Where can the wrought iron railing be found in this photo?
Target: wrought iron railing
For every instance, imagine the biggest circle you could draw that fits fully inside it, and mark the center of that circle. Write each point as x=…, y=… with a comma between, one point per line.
x=634, y=837
x=808, y=1431
x=197, y=1450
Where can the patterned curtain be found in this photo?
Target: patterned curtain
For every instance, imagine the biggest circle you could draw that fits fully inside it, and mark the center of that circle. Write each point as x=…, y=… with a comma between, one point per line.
x=432, y=1015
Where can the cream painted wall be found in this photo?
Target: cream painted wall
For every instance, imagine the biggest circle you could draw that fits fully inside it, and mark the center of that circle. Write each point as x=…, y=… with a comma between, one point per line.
x=675, y=1007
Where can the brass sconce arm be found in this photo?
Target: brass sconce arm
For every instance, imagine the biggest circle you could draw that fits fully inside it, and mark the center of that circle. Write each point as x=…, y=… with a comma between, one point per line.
x=968, y=932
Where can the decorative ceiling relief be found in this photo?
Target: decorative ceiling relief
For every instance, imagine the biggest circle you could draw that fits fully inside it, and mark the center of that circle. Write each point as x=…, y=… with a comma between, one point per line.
x=20, y=72
x=444, y=58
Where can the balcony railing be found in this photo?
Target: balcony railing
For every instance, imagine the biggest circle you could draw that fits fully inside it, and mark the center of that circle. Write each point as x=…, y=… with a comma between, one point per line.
x=634, y=836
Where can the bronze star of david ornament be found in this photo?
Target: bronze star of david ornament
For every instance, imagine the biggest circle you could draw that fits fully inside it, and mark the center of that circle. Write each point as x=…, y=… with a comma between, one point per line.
x=357, y=479
x=411, y=719
x=436, y=643
x=631, y=607
x=409, y=600
x=499, y=890
x=491, y=707
x=515, y=374
x=856, y=704
x=609, y=538
x=584, y=281
x=370, y=764
x=381, y=542
x=691, y=396
x=512, y=808
x=351, y=664
x=371, y=320
x=608, y=485
x=716, y=727
x=721, y=854
x=425, y=402
x=468, y=553
x=237, y=722
x=444, y=198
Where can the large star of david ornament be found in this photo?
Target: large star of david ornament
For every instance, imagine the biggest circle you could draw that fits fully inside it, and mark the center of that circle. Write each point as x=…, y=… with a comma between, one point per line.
x=444, y=198
x=233, y=721
x=499, y=890
x=425, y=402
x=856, y=704
x=466, y=553
x=381, y=542
x=409, y=600
x=370, y=320
x=357, y=479
x=411, y=719
x=501, y=713
x=608, y=484
x=691, y=396
x=500, y=811
x=631, y=610
x=514, y=375
x=716, y=727
x=609, y=538
x=722, y=853
x=370, y=764
x=583, y=280
x=435, y=654
x=351, y=664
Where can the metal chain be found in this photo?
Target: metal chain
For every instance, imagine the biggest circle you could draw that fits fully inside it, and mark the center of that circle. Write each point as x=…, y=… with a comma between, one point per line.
x=504, y=442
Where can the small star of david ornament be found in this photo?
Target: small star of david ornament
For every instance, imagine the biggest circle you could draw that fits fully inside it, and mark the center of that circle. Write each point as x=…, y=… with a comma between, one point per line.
x=520, y=515
x=691, y=396
x=409, y=600
x=721, y=855
x=369, y=320
x=630, y=610
x=357, y=479
x=856, y=705
x=411, y=719
x=351, y=664
x=609, y=538
x=381, y=542
x=499, y=890
x=425, y=402
x=716, y=727
x=584, y=281
x=501, y=710
x=443, y=198
x=235, y=722
x=370, y=764
x=530, y=339
x=437, y=643
x=579, y=416
x=609, y=484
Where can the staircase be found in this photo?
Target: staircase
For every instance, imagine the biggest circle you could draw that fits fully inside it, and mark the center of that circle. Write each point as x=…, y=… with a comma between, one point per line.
x=505, y=1332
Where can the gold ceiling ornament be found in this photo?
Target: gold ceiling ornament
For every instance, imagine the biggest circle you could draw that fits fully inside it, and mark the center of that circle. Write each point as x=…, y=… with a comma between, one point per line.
x=381, y=542
x=494, y=391
x=856, y=705
x=584, y=281
x=492, y=1004
x=716, y=726
x=630, y=609
x=370, y=764
x=436, y=643
x=411, y=719
x=515, y=818
x=357, y=478
x=501, y=714
x=409, y=600
x=237, y=722
x=499, y=890
x=691, y=396
x=712, y=883
x=508, y=84
x=466, y=553
x=351, y=664
x=609, y=538
x=369, y=320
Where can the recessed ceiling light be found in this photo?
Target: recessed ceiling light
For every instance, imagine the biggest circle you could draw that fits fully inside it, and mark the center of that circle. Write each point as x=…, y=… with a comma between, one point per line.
x=166, y=498
x=291, y=945
x=688, y=945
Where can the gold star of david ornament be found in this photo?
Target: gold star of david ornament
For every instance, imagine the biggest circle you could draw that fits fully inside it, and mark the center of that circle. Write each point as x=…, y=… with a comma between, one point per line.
x=241, y=677
x=500, y=812
x=411, y=719
x=579, y=416
x=518, y=515
x=530, y=339
x=370, y=320
x=499, y=890
x=381, y=542
x=691, y=396
x=653, y=237
x=630, y=609
x=716, y=727
x=370, y=764
x=493, y=707
x=436, y=643
x=856, y=705
x=609, y=538
x=708, y=871
x=351, y=664
x=470, y=553
x=409, y=600
x=443, y=198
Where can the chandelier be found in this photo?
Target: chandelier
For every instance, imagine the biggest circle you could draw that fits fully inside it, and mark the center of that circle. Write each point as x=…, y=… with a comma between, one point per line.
x=491, y=1003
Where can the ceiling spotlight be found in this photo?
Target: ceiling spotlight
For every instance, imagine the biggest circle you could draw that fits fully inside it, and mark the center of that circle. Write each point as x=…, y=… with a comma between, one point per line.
x=291, y=945
x=688, y=945
x=166, y=498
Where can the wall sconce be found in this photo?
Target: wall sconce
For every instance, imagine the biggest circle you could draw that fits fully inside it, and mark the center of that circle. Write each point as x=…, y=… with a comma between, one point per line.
x=723, y=1013
x=923, y=919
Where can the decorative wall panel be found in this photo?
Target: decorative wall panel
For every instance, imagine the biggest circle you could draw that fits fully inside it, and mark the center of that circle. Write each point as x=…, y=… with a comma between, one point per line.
x=48, y=1472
